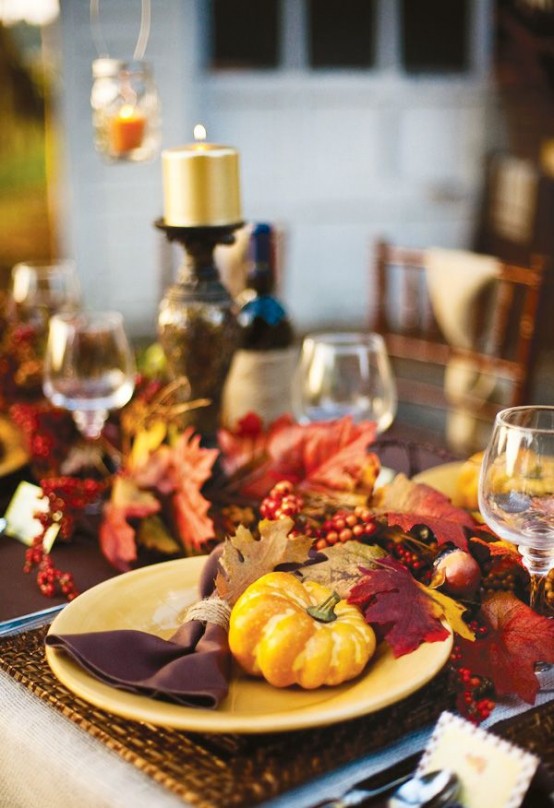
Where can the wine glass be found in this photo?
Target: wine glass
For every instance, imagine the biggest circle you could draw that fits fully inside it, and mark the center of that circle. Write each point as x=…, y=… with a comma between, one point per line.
x=89, y=367
x=516, y=489
x=40, y=289
x=345, y=374
x=37, y=290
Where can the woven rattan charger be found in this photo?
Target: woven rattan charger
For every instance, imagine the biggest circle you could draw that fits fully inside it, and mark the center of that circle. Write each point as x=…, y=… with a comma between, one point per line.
x=215, y=770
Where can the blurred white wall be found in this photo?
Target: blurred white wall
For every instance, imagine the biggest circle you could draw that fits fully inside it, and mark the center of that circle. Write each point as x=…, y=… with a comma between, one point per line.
x=335, y=158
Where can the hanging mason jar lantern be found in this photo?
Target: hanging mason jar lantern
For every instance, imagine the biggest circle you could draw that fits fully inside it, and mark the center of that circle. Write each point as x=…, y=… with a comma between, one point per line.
x=124, y=99
x=125, y=110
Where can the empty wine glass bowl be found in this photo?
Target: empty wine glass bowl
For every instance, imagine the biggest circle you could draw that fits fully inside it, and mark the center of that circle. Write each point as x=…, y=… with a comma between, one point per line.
x=89, y=367
x=516, y=489
x=343, y=374
x=40, y=289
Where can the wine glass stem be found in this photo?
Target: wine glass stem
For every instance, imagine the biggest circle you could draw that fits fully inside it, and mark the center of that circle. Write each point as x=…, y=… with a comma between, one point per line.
x=90, y=422
x=538, y=563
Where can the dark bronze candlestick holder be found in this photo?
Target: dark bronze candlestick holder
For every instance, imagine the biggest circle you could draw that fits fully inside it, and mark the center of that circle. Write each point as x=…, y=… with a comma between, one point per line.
x=197, y=327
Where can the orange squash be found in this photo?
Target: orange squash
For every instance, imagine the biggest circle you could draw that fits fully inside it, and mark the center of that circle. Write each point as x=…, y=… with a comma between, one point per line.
x=289, y=632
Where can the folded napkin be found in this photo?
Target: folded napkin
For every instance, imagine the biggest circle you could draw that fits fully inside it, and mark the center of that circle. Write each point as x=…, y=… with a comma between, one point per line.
x=192, y=668
x=455, y=280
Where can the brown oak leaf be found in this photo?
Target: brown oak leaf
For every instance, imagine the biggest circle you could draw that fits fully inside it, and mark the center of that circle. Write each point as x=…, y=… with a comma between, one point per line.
x=246, y=558
x=341, y=569
x=516, y=640
x=389, y=597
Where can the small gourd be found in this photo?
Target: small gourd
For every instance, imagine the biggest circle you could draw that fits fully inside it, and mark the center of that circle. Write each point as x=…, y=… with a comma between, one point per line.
x=293, y=632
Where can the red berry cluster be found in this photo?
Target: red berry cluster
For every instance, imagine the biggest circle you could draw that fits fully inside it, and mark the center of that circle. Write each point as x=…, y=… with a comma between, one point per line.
x=341, y=526
x=49, y=433
x=473, y=693
x=416, y=550
x=281, y=502
x=345, y=525
x=67, y=497
x=51, y=580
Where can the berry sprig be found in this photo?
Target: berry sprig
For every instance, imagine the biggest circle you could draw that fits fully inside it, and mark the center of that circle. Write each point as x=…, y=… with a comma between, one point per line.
x=67, y=498
x=50, y=579
x=327, y=529
x=359, y=524
x=281, y=502
x=474, y=694
x=49, y=433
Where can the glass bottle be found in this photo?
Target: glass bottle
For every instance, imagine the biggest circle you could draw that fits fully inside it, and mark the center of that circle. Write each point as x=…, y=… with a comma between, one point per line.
x=263, y=321
x=262, y=369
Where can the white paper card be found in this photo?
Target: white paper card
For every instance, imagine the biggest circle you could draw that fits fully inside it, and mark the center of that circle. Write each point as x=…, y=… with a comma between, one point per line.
x=493, y=772
x=21, y=522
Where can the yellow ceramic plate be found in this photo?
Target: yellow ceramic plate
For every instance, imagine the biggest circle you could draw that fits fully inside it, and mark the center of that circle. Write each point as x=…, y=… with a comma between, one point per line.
x=13, y=455
x=443, y=478
x=153, y=599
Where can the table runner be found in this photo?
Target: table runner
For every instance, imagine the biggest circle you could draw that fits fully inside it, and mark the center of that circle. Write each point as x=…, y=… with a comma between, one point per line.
x=213, y=770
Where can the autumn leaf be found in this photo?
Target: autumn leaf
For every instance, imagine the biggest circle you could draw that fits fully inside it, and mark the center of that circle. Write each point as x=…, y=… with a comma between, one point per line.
x=154, y=535
x=330, y=456
x=193, y=466
x=157, y=471
x=147, y=441
x=117, y=538
x=245, y=559
x=389, y=597
x=341, y=568
x=131, y=500
x=452, y=611
x=116, y=535
x=405, y=504
x=246, y=446
x=517, y=638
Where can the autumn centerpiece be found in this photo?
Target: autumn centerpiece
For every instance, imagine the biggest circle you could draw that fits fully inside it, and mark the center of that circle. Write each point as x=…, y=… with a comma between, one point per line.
x=398, y=564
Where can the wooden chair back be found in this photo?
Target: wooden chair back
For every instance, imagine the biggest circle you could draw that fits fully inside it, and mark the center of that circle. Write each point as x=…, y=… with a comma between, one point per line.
x=503, y=344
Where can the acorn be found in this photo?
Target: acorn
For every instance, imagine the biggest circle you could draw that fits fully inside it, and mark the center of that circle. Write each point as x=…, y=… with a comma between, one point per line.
x=456, y=573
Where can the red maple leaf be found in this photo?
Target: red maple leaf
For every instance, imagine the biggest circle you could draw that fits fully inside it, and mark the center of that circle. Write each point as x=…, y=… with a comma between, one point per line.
x=391, y=598
x=516, y=639
x=330, y=455
x=405, y=504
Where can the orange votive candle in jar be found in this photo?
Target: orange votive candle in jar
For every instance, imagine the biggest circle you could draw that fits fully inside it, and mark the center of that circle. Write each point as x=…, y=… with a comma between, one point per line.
x=126, y=130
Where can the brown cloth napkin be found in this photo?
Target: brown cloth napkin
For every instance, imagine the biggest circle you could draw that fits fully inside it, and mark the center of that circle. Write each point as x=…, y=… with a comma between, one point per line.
x=192, y=668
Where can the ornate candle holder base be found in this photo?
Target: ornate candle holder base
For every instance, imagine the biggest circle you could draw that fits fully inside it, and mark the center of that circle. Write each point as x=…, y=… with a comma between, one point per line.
x=197, y=327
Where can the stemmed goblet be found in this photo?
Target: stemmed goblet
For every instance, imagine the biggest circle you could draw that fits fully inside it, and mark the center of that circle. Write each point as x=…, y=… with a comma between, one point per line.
x=36, y=292
x=516, y=490
x=89, y=367
x=345, y=374
x=40, y=289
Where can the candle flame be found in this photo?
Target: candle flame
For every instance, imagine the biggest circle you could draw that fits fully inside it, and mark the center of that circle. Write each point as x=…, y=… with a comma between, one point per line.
x=127, y=111
x=200, y=132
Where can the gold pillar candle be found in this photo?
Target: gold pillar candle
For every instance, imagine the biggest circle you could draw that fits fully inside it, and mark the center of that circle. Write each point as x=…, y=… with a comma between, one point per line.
x=201, y=185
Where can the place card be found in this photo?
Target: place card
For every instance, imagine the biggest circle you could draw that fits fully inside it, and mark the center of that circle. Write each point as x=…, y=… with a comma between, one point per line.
x=493, y=772
x=21, y=522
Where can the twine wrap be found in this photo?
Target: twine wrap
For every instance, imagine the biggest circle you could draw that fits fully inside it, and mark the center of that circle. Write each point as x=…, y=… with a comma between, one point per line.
x=210, y=610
